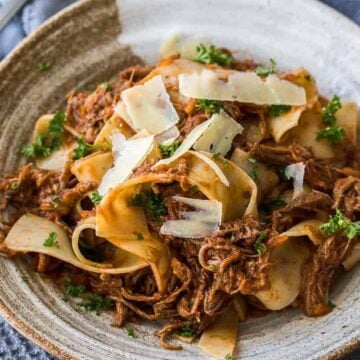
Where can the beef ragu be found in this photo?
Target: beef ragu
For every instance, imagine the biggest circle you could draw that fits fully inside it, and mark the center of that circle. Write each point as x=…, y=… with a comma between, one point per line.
x=175, y=193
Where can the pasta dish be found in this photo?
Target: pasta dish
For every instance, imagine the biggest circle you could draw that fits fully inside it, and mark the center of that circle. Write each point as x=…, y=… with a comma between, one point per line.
x=193, y=194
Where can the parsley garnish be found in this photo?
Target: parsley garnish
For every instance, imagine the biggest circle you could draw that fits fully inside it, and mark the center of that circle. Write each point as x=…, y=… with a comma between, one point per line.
x=216, y=156
x=46, y=143
x=228, y=357
x=73, y=290
x=253, y=173
x=277, y=110
x=264, y=71
x=14, y=185
x=334, y=134
x=83, y=149
x=212, y=267
x=259, y=246
x=186, y=331
x=339, y=224
x=211, y=55
x=43, y=66
x=233, y=237
x=25, y=278
x=139, y=235
x=209, y=106
x=95, y=197
x=152, y=203
x=168, y=150
x=106, y=86
x=131, y=333
x=328, y=112
x=96, y=303
x=51, y=240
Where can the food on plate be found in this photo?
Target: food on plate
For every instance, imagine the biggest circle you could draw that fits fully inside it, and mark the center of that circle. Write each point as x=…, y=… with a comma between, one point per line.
x=194, y=193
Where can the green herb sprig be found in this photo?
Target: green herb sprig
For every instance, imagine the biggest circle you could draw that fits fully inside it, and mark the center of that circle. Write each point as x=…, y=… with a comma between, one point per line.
x=339, y=224
x=96, y=198
x=259, y=246
x=212, y=55
x=277, y=110
x=168, y=150
x=45, y=143
x=265, y=71
x=51, y=240
x=186, y=331
x=152, y=203
x=209, y=106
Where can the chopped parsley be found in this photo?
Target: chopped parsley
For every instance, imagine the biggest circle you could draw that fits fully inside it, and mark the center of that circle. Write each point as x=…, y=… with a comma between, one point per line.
x=277, y=110
x=139, y=235
x=233, y=237
x=209, y=106
x=265, y=71
x=95, y=303
x=51, y=240
x=228, y=357
x=25, y=278
x=212, y=55
x=131, y=333
x=43, y=66
x=168, y=150
x=45, y=143
x=106, y=86
x=152, y=203
x=212, y=267
x=83, y=149
x=96, y=198
x=339, y=224
x=73, y=290
x=14, y=185
x=333, y=134
x=186, y=331
x=328, y=112
x=217, y=157
x=259, y=246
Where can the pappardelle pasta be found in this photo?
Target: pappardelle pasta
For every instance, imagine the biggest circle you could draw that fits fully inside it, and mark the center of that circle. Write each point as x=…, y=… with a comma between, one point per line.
x=195, y=194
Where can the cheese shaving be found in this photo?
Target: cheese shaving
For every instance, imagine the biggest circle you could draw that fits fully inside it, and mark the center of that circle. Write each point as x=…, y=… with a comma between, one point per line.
x=186, y=144
x=148, y=107
x=296, y=172
x=127, y=154
x=241, y=86
x=203, y=221
x=218, y=137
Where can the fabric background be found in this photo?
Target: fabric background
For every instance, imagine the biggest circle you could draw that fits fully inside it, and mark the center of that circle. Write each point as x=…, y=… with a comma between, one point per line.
x=14, y=346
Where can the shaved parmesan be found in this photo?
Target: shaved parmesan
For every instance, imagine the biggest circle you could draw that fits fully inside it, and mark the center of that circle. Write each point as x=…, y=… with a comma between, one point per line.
x=296, y=172
x=203, y=221
x=186, y=144
x=218, y=137
x=127, y=154
x=241, y=86
x=214, y=166
x=148, y=107
x=168, y=136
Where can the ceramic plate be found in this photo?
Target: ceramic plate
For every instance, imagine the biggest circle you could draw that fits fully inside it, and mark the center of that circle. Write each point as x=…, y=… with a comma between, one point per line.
x=89, y=42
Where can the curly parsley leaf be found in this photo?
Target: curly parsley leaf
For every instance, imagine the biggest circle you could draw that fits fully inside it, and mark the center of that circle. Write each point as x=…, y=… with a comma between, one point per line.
x=259, y=246
x=72, y=290
x=96, y=303
x=228, y=357
x=265, y=71
x=96, y=198
x=277, y=110
x=152, y=203
x=131, y=333
x=43, y=66
x=334, y=134
x=212, y=55
x=45, y=143
x=51, y=240
x=83, y=149
x=168, y=150
x=339, y=224
x=209, y=106
x=186, y=331
x=328, y=112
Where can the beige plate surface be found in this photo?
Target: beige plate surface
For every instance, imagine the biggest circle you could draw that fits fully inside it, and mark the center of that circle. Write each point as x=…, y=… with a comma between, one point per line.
x=89, y=42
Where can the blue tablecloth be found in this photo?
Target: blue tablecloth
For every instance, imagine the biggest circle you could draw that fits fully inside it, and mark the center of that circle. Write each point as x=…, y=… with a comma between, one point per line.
x=13, y=346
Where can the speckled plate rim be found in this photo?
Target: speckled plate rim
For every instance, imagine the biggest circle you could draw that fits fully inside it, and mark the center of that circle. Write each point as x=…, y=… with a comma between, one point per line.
x=54, y=21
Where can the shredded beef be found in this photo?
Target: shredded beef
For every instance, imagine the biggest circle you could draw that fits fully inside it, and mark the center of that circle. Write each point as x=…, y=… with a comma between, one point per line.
x=347, y=196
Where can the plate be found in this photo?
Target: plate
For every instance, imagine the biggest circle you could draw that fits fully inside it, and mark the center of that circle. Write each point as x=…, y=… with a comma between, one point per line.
x=90, y=42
